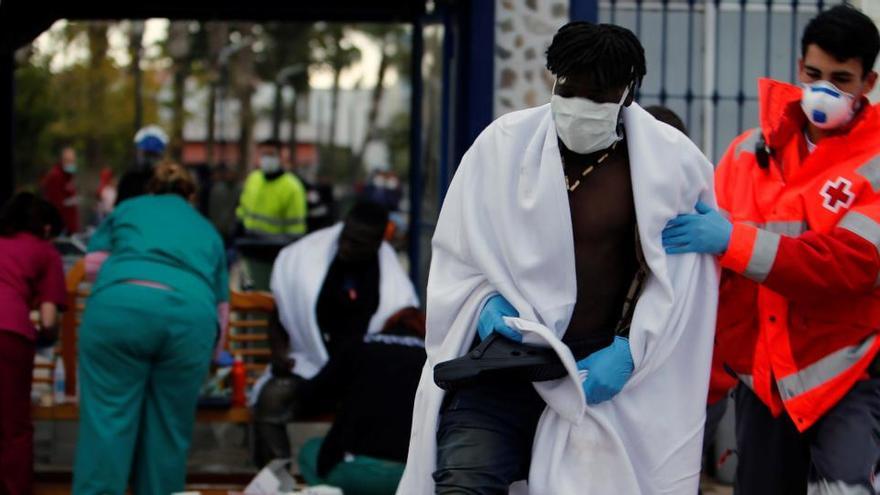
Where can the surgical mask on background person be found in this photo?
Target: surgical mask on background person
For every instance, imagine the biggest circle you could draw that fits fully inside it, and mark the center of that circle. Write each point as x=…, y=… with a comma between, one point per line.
x=585, y=126
x=270, y=164
x=826, y=106
x=70, y=168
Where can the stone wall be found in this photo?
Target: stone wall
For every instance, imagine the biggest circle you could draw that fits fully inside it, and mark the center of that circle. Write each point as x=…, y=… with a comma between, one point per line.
x=523, y=30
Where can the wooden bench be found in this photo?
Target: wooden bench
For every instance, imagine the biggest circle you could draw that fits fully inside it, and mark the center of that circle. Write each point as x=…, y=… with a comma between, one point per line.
x=248, y=337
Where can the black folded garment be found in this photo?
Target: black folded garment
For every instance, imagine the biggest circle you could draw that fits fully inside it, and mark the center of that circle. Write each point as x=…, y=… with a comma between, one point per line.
x=498, y=357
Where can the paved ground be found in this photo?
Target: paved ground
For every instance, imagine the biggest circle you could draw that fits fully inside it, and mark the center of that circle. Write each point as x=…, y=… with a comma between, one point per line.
x=217, y=448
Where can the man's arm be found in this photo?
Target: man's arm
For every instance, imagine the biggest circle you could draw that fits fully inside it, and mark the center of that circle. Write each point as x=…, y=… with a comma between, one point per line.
x=813, y=266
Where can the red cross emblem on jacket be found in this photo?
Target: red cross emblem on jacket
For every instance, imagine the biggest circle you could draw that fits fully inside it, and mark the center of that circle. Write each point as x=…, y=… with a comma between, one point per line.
x=837, y=194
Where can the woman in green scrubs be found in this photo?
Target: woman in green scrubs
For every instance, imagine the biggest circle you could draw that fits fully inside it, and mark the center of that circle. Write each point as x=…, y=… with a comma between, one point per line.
x=146, y=340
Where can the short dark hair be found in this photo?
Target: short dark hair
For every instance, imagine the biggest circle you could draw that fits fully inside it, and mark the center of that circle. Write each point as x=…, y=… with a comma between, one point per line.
x=667, y=116
x=25, y=212
x=611, y=55
x=270, y=143
x=845, y=33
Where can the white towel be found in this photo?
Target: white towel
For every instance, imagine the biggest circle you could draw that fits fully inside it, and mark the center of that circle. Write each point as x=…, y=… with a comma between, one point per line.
x=297, y=278
x=505, y=227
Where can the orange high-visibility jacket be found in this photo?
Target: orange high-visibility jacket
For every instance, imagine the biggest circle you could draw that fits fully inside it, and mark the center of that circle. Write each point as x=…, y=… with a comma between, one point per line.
x=799, y=313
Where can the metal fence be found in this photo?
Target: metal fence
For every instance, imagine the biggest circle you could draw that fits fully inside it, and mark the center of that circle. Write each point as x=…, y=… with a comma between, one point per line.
x=705, y=57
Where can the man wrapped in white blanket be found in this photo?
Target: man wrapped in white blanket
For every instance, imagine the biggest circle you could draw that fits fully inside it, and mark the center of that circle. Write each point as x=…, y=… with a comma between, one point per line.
x=553, y=215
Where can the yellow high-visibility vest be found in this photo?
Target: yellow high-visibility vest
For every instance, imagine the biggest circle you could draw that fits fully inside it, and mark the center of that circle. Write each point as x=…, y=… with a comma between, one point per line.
x=276, y=206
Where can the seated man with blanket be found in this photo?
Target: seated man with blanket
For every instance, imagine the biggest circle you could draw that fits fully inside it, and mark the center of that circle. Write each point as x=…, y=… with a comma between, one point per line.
x=331, y=288
x=550, y=230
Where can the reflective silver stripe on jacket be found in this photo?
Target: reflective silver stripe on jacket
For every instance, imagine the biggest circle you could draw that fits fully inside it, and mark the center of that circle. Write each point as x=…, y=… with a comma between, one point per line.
x=823, y=370
x=763, y=256
x=871, y=172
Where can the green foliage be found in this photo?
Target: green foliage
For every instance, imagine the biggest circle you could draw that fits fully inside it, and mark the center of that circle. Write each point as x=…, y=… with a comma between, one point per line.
x=89, y=105
x=34, y=114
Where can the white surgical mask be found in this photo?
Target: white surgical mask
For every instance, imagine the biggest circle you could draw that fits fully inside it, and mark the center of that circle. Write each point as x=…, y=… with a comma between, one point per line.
x=826, y=106
x=70, y=168
x=585, y=126
x=270, y=164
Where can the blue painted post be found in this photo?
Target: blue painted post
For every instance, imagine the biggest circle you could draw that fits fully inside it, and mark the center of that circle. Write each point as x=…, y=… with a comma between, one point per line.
x=584, y=10
x=689, y=94
x=415, y=153
x=446, y=109
x=741, y=95
x=477, y=79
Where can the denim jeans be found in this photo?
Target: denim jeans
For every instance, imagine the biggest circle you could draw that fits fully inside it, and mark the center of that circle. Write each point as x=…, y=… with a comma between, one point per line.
x=484, y=438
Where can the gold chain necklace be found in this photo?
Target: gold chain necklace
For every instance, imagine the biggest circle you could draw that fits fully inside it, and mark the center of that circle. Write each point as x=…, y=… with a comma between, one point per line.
x=586, y=172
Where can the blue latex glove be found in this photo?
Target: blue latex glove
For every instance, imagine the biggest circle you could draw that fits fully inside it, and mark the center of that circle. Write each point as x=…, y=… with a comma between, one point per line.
x=492, y=319
x=607, y=370
x=706, y=232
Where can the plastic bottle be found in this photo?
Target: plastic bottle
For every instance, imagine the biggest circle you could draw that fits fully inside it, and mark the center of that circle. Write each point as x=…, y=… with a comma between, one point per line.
x=239, y=382
x=58, y=382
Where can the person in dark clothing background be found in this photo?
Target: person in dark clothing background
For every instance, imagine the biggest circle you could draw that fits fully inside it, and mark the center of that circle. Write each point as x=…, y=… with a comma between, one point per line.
x=371, y=388
x=331, y=288
x=150, y=143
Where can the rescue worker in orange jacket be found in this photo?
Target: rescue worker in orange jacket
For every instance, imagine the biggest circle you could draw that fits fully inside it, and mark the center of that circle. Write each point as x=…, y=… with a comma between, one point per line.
x=798, y=234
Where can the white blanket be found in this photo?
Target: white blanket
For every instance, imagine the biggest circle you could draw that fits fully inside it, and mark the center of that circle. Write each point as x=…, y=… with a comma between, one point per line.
x=505, y=227
x=297, y=277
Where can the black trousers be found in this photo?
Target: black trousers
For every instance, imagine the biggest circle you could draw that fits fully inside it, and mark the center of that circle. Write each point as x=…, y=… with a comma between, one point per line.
x=484, y=438
x=275, y=407
x=837, y=455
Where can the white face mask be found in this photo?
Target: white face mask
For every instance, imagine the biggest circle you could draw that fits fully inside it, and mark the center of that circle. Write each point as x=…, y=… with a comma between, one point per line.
x=270, y=164
x=585, y=126
x=826, y=106
x=70, y=168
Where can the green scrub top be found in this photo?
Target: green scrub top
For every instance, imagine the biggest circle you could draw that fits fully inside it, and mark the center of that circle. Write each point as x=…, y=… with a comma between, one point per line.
x=163, y=239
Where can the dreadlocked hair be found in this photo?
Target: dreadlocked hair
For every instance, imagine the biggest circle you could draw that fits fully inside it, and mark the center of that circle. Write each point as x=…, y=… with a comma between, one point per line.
x=610, y=55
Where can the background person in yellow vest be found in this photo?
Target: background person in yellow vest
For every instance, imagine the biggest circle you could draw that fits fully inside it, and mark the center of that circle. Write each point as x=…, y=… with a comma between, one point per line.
x=272, y=212
x=273, y=201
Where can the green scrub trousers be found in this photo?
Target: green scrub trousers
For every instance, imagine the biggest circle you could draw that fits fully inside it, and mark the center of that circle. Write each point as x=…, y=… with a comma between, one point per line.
x=360, y=475
x=144, y=354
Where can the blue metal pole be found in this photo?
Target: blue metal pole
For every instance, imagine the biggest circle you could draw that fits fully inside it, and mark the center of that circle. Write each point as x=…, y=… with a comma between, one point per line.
x=689, y=94
x=715, y=94
x=794, y=37
x=415, y=152
x=475, y=77
x=663, y=32
x=741, y=96
x=638, y=35
x=446, y=107
x=584, y=10
x=767, y=34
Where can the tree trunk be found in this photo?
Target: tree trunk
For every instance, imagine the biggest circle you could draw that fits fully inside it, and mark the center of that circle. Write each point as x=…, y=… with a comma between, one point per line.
x=218, y=33
x=292, y=120
x=277, y=108
x=210, y=148
x=375, y=104
x=135, y=40
x=98, y=45
x=245, y=131
x=334, y=103
x=179, y=118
